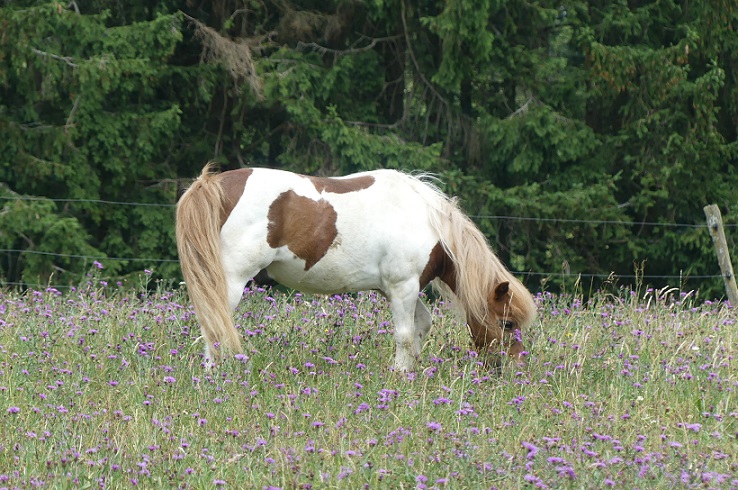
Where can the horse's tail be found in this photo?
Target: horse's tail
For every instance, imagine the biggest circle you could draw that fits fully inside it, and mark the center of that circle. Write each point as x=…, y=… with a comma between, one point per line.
x=199, y=216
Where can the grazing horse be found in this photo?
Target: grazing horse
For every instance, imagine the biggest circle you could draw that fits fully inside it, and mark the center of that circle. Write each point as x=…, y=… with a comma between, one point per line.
x=383, y=230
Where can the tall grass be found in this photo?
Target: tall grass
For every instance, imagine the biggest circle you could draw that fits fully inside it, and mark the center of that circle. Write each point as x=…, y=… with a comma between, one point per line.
x=104, y=388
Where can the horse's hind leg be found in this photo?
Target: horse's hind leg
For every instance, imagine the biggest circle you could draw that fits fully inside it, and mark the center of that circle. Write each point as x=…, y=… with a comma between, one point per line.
x=403, y=300
x=234, y=290
x=238, y=270
x=234, y=287
x=237, y=278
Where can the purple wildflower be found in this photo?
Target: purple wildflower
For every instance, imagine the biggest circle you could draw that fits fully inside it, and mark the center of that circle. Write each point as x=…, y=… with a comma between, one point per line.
x=441, y=401
x=532, y=449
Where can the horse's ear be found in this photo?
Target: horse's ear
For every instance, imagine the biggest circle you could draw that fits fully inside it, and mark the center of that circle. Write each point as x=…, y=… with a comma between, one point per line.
x=501, y=290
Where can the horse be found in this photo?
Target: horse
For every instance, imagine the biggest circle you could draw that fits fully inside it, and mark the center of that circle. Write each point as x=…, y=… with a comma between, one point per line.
x=382, y=230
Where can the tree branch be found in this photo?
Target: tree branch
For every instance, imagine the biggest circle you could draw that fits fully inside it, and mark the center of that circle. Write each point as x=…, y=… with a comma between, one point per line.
x=68, y=60
x=415, y=61
x=70, y=118
x=343, y=52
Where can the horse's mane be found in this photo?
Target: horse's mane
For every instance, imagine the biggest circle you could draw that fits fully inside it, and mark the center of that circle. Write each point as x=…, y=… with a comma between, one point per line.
x=478, y=269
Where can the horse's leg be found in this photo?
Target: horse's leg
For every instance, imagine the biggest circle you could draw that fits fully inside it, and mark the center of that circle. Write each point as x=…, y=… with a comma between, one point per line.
x=235, y=282
x=238, y=277
x=238, y=270
x=234, y=291
x=403, y=300
x=423, y=321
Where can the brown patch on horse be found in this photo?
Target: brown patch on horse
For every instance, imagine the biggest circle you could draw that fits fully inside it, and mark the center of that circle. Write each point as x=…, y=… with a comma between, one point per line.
x=439, y=265
x=233, y=183
x=307, y=227
x=342, y=186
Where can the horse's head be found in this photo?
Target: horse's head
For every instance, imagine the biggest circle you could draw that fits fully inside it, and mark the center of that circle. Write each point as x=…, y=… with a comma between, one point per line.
x=510, y=310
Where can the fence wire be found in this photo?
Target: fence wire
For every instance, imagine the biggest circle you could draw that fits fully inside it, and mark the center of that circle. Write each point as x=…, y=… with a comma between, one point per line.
x=151, y=260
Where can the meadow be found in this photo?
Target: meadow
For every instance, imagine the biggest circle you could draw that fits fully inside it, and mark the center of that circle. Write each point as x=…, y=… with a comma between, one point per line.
x=102, y=386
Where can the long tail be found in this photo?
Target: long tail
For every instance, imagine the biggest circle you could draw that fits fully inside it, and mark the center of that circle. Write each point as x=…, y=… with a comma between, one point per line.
x=199, y=215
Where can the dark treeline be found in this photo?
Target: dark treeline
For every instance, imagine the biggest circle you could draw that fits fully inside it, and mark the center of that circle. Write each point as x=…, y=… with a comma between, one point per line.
x=588, y=111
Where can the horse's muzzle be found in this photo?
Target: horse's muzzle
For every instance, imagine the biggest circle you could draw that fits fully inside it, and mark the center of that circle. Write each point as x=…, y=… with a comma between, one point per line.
x=516, y=353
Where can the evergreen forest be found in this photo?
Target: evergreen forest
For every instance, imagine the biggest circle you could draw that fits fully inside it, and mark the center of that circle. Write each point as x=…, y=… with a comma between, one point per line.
x=584, y=137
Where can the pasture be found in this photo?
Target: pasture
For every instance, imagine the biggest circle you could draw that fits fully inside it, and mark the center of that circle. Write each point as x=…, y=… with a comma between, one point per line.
x=102, y=386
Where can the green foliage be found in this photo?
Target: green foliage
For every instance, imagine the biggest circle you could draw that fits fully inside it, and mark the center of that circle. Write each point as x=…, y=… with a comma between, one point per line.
x=466, y=42
x=357, y=150
x=55, y=241
x=85, y=119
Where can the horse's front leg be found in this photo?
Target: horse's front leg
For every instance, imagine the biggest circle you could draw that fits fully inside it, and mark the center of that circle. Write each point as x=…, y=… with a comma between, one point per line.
x=403, y=300
x=423, y=321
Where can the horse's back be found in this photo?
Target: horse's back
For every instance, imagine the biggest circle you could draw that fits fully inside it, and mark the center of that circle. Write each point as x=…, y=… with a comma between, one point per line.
x=372, y=196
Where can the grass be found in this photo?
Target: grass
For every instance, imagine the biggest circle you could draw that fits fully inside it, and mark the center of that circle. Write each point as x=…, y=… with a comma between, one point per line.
x=103, y=387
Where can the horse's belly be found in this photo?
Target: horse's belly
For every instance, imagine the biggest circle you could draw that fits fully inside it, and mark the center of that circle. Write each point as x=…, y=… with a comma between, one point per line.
x=325, y=277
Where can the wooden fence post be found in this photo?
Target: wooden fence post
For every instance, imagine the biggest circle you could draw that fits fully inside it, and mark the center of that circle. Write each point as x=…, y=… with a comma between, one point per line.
x=715, y=225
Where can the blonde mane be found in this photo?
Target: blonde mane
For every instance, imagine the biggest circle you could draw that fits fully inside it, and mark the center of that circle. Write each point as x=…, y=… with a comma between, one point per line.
x=478, y=269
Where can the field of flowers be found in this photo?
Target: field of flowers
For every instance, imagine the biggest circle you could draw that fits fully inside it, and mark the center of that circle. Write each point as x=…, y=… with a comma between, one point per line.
x=102, y=386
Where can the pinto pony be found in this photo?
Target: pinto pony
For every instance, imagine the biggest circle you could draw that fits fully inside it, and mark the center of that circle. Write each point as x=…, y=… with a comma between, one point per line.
x=382, y=230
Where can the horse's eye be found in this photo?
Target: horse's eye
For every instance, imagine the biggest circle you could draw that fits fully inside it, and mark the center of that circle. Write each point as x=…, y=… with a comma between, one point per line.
x=507, y=324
